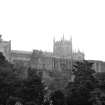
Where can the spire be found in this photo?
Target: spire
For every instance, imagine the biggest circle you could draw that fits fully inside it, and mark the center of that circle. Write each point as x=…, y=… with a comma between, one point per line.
x=53, y=40
x=71, y=39
x=79, y=50
x=0, y=37
x=53, y=44
x=63, y=37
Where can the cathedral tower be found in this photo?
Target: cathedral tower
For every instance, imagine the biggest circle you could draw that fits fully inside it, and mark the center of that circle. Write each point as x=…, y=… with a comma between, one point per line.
x=63, y=48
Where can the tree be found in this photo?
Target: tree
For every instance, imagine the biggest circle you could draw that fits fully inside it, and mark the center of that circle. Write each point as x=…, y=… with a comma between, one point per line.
x=30, y=89
x=84, y=82
x=7, y=77
x=57, y=98
x=33, y=88
x=97, y=97
x=58, y=80
x=2, y=58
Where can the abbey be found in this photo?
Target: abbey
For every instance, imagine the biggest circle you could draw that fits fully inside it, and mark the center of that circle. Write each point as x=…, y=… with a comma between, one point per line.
x=61, y=58
x=62, y=52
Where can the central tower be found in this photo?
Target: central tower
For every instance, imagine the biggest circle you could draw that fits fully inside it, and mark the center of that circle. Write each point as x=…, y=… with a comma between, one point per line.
x=62, y=48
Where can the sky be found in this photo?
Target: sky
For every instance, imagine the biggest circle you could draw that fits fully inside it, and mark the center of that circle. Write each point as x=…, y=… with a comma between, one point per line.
x=32, y=24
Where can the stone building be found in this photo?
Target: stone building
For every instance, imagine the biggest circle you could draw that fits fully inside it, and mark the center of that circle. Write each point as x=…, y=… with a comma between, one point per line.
x=60, y=59
x=62, y=48
x=21, y=57
x=61, y=56
x=40, y=60
x=5, y=48
x=98, y=66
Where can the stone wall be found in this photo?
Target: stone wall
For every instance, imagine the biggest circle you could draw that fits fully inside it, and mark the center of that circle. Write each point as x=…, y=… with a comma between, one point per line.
x=5, y=48
x=20, y=55
x=98, y=66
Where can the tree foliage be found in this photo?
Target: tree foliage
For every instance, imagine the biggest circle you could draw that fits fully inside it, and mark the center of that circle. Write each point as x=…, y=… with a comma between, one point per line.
x=87, y=88
x=30, y=89
x=78, y=91
x=57, y=98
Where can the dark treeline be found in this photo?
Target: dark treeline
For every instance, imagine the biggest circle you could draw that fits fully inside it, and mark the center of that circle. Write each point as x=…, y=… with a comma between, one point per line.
x=13, y=87
x=87, y=88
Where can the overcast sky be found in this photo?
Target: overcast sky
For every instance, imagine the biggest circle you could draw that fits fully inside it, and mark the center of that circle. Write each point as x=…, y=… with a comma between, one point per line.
x=32, y=24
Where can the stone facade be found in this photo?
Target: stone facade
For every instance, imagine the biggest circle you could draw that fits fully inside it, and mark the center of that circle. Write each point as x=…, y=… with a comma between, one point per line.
x=41, y=61
x=98, y=66
x=21, y=57
x=5, y=48
x=63, y=48
x=60, y=59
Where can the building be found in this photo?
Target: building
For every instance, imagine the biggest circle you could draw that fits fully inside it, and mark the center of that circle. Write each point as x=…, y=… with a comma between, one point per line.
x=98, y=66
x=63, y=49
x=5, y=48
x=60, y=58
